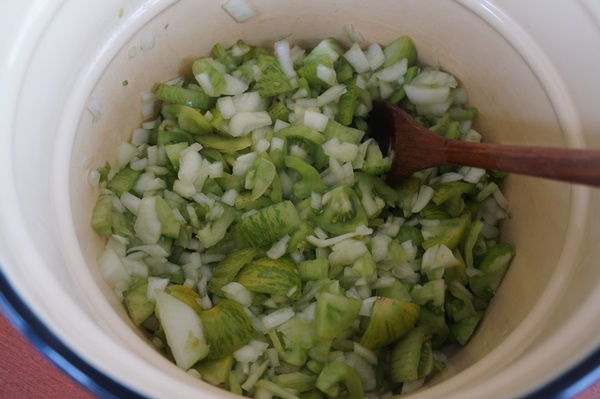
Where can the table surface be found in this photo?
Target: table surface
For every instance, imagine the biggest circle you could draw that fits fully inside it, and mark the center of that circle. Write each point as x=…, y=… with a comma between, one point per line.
x=25, y=373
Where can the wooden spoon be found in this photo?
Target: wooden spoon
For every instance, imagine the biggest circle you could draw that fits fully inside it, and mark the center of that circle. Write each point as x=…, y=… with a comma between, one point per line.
x=417, y=148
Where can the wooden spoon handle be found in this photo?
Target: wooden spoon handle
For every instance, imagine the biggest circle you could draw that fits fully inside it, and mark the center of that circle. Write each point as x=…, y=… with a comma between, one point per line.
x=569, y=165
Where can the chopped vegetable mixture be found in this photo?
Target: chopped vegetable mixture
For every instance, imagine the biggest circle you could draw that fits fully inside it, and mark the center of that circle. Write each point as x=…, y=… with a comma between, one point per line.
x=251, y=232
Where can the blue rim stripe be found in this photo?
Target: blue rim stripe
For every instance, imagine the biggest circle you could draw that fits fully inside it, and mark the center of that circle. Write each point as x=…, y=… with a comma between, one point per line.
x=566, y=386
x=53, y=349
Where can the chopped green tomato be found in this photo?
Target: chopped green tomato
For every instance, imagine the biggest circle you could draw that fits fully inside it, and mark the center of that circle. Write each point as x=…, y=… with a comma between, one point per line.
x=403, y=47
x=275, y=389
x=289, y=350
x=447, y=232
x=225, y=58
x=272, y=81
x=226, y=328
x=334, y=314
x=264, y=174
x=310, y=180
x=470, y=240
x=169, y=224
x=463, y=329
x=137, y=302
x=278, y=110
x=315, y=269
x=406, y=356
x=297, y=381
x=339, y=380
x=215, y=371
x=188, y=118
x=170, y=133
x=342, y=211
x=225, y=272
x=273, y=277
x=173, y=152
x=225, y=144
x=267, y=225
x=375, y=163
x=256, y=208
x=102, y=216
x=196, y=98
x=301, y=132
x=432, y=293
x=348, y=103
x=124, y=181
x=391, y=319
x=215, y=231
x=447, y=191
x=494, y=266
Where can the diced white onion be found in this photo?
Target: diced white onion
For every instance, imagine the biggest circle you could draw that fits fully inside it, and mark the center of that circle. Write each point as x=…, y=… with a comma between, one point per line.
x=234, y=86
x=380, y=245
x=424, y=95
x=279, y=124
x=242, y=123
x=282, y=51
x=375, y=56
x=424, y=196
x=354, y=36
x=331, y=94
x=140, y=136
x=112, y=269
x=343, y=152
x=93, y=105
x=147, y=226
x=279, y=249
x=315, y=120
x=148, y=106
x=250, y=101
x=471, y=174
x=155, y=283
x=393, y=72
x=147, y=41
x=278, y=317
x=239, y=10
x=243, y=163
x=435, y=78
x=237, y=292
x=326, y=74
x=226, y=107
x=357, y=58
x=436, y=256
x=204, y=81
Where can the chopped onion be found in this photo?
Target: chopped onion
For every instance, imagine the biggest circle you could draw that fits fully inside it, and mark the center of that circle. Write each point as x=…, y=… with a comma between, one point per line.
x=357, y=58
x=326, y=74
x=331, y=94
x=424, y=196
x=375, y=56
x=278, y=317
x=148, y=41
x=155, y=283
x=239, y=10
x=316, y=120
x=237, y=292
x=282, y=50
x=279, y=249
x=226, y=107
x=148, y=106
x=93, y=105
x=393, y=72
x=242, y=123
